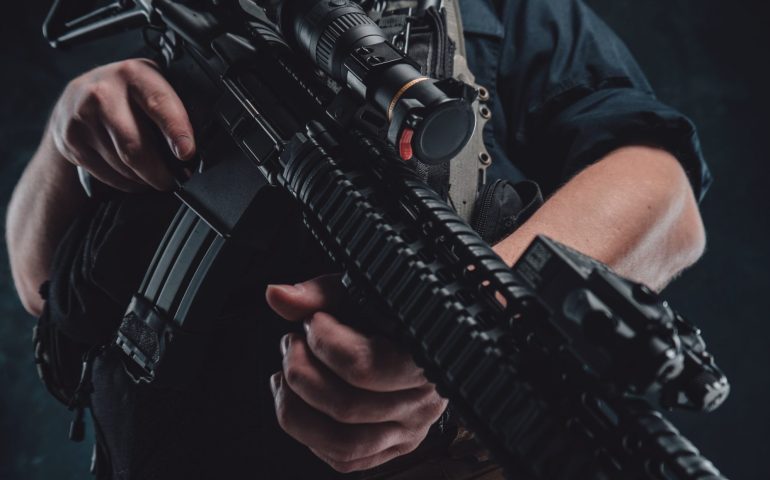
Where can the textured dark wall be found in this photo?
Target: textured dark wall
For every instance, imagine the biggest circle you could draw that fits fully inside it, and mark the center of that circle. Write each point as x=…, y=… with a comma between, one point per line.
x=706, y=57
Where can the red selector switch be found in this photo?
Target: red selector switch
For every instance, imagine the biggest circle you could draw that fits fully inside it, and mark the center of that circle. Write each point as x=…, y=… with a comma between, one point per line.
x=405, y=144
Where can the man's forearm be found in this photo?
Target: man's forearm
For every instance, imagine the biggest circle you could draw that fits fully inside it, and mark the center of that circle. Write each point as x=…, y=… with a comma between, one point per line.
x=633, y=210
x=44, y=203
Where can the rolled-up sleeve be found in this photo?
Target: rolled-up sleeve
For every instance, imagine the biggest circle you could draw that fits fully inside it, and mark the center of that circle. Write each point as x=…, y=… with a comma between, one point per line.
x=571, y=92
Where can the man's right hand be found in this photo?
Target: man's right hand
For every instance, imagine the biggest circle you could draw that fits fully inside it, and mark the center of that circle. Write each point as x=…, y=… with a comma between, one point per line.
x=104, y=122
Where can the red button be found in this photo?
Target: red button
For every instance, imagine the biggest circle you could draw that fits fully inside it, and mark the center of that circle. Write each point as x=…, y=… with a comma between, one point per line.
x=405, y=144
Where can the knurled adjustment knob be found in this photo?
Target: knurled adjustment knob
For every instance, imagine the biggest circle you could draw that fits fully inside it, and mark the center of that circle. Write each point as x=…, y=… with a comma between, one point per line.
x=706, y=391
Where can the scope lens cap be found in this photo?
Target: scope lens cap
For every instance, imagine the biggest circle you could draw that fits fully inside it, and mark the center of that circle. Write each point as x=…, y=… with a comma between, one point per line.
x=443, y=132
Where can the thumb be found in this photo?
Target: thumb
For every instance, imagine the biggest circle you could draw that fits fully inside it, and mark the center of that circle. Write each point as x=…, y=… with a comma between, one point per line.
x=302, y=300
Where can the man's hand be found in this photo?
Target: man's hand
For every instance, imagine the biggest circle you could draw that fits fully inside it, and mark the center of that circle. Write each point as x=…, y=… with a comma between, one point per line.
x=106, y=122
x=355, y=401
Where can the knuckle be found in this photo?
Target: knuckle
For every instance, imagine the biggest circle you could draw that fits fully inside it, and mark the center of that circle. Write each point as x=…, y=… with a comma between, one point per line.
x=432, y=408
x=96, y=95
x=294, y=374
x=344, y=411
x=316, y=342
x=360, y=370
x=155, y=100
x=128, y=68
x=132, y=152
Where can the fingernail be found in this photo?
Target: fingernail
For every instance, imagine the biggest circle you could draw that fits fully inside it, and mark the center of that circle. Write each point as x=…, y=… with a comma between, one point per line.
x=285, y=341
x=289, y=289
x=183, y=147
x=306, y=326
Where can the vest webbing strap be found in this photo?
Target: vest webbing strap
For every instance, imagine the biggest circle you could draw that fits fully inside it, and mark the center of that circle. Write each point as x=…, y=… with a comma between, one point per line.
x=467, y=173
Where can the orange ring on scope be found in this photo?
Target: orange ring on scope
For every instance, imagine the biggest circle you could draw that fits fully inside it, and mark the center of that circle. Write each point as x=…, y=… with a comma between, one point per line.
x=401, y=91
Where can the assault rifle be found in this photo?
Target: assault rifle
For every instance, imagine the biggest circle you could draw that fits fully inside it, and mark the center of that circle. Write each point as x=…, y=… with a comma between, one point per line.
x=557, y=364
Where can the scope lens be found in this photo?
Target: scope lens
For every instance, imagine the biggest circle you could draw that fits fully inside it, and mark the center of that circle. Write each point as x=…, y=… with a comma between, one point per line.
x=443, y=132
x=350, y=47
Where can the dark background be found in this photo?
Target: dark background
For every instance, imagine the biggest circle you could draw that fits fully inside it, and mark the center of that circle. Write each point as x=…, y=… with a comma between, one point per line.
x=705, y=57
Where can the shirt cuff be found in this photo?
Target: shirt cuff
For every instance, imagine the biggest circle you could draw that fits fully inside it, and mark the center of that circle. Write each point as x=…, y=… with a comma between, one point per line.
x=605, y=120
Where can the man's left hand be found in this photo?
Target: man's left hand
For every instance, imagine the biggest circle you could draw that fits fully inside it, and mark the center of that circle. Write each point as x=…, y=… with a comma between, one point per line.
x=355, y=401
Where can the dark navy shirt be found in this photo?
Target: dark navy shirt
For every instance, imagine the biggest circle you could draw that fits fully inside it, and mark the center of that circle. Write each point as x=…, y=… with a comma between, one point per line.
x=565, y=92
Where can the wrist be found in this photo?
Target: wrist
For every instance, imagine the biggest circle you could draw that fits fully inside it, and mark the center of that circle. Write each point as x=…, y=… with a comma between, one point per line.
x=59, y=175
x=49, y=153
x=44, y=202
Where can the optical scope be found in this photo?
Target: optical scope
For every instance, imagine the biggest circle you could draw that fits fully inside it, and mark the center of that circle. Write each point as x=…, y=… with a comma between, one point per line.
x=427, y=118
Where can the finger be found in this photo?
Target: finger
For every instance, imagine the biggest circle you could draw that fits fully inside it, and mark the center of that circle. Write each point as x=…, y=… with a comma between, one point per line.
x=342, y=442
x=82, y=145
x=371, y=363
x=368, y=462
x=133, y=138
x=329, y=394
x=297, y=302
x=103, y=144
x=89, y=159
x=159, y=101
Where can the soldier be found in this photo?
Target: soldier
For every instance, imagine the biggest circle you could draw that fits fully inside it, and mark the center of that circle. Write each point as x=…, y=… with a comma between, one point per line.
x=571, y=110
